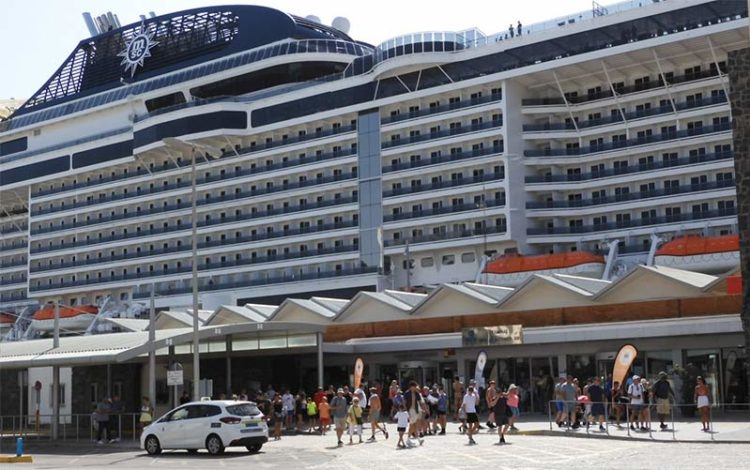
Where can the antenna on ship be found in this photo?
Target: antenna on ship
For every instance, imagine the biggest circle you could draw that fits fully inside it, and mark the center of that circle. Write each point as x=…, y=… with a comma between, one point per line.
x=102, y=23
x=598, y=10
x=342, y=24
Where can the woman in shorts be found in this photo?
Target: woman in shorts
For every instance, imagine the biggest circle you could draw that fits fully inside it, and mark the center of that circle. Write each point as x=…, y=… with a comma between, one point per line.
x=702, y=397
x=513, y=405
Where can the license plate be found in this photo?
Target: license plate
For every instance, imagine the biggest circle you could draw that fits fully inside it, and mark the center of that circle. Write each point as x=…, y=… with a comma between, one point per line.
x=250, y=430
x=251, y=424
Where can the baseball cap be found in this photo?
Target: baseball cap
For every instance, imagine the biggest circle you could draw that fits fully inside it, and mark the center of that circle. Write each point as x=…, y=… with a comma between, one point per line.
x=636, y=377
x=341, y=390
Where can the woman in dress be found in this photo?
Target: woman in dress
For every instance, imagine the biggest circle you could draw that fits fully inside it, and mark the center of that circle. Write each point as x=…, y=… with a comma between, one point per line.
x=147, y=413
x=702, y=399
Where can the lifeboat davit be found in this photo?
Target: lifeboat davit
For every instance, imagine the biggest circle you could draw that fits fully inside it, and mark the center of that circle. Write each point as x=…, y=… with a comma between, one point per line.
x=512, y=270
x=6, y=321
x=709, y=255
x=76, y=318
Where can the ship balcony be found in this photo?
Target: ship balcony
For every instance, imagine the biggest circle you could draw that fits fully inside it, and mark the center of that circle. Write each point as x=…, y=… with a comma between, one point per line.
x=546, y=182
x=443, y=159
x=472, y=180
x=632, y=143
x=441, y=110
x=172, y=188
x=452, y=235
x=343, y=180
x=727, y=216
x=281, y=236
x=337, y=204
x=268, y=262
x=606, y=96
x=550, y=208
x=270, y=280
x=459, y=131
x=567, y=129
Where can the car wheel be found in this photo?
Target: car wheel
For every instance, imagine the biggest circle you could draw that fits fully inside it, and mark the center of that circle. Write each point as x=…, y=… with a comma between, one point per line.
x=152, y=445
x=192, y=451
x=214, y=445
x=254, y=448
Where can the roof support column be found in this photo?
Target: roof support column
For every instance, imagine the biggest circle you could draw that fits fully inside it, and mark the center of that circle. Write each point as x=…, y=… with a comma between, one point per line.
x=56, y=379
x=152, y=348
x=229, y=366
x=319, y=341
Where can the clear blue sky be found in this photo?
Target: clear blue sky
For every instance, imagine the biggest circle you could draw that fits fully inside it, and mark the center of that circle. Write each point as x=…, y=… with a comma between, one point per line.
x=37, y=35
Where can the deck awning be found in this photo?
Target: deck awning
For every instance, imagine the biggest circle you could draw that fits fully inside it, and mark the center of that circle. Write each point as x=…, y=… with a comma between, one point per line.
x=120, y=347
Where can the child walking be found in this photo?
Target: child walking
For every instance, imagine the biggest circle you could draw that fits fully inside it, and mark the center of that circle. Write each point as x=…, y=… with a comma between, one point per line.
x=402, y=422
x=325, y=416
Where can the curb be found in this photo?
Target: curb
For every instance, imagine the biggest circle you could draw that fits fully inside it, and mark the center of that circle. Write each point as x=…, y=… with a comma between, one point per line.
x=620, y=438
x=15, y=459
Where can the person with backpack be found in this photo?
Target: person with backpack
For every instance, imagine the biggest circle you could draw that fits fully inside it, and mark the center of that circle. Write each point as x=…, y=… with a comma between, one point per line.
x=441, y=409
x=664, y=396
x=636, y=395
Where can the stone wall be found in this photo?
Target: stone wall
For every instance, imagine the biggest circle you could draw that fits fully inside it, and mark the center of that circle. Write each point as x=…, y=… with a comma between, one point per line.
x=739, y=94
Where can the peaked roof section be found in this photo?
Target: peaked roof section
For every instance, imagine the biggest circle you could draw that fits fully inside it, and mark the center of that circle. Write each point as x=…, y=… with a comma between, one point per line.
x=227, y=314
x=455, y=299
x=129, y=324
x=535, y=293
x=654, y=282
x=588, y=284
x=411, y=298
x=496, y=292
x=180, y=318
x=388, y=308
x=303, y=310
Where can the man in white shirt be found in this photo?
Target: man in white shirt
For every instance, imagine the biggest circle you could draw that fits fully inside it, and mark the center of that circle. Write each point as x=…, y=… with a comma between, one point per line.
x=635, y=392
x=470, y=401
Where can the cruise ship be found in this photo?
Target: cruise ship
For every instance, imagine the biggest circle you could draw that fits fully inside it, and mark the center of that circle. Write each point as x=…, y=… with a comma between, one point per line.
x=325, y=166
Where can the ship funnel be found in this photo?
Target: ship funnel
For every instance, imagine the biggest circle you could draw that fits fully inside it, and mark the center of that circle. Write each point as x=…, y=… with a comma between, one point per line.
x=93, y=31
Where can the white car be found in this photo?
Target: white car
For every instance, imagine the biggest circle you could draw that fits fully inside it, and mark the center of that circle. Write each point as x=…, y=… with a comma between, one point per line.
x=211, y=424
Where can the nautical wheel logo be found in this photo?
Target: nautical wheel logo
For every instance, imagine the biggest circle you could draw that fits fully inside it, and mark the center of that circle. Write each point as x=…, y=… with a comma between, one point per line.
x=137, y=50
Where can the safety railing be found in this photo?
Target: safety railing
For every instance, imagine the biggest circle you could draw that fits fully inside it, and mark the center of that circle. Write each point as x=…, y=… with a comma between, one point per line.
x=658, y=420
x=71, y=427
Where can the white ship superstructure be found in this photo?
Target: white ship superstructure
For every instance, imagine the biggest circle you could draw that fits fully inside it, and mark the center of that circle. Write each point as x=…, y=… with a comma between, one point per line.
x=343, y=167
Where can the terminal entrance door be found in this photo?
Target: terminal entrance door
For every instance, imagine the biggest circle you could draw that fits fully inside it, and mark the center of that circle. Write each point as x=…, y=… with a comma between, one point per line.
x=422, y=372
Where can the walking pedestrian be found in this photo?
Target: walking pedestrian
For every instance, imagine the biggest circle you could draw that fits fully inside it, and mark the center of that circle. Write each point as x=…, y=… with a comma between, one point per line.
x=458, y=394
x=595, y=392
x=442, y=409
x=324, y=410
x=338, y=410
x=414, y=405
x=103, y=410
x=502, y=413
x=354, y=419
x=664, y=397
x=278, y=416
x=402, y=422
x=288, y=401
x=491, y=397
x=519, y=28
x=375, y=409
x=570, y=395
x=635, y=393
x=513, y=406
x=147, y=413
x=470, y=400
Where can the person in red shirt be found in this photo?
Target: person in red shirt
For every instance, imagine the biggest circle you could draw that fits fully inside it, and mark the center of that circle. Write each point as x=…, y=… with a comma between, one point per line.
x=318, y=396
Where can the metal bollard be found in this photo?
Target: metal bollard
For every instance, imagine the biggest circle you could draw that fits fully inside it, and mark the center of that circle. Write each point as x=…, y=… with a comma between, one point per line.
x=627, y=418
x=674, y=436
x=710, y=421
x=19, y=447
x=549, y=414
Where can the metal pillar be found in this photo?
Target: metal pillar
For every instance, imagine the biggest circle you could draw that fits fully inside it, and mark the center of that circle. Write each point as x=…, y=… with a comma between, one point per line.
x=152, y=350
x=319, y=341
x=194, y=258
x=229, y=366
x=55, y=428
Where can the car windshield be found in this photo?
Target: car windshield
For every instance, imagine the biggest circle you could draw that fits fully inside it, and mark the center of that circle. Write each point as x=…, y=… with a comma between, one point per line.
x=243, y=409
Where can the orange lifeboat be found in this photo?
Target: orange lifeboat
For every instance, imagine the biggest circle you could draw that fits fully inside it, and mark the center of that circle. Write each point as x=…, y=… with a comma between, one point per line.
x=512, y=270
x=72, y=318
x=6, y=320
x=702, y=254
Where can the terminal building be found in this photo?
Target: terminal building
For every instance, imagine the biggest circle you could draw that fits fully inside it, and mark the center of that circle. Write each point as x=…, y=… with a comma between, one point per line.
x=596, y=146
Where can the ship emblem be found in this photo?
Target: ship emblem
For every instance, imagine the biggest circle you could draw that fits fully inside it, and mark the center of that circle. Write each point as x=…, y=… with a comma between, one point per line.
x=137, y=50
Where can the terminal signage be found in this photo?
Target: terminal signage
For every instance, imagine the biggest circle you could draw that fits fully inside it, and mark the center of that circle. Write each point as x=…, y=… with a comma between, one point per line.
x=503, y=335
x=174, y=377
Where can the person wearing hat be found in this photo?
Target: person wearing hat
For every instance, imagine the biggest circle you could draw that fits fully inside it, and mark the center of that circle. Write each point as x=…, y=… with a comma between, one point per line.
x=375, y=408
x=513, y=403
x=354, y=418
x=339, y=411
x=636, y=394
x=663, y=392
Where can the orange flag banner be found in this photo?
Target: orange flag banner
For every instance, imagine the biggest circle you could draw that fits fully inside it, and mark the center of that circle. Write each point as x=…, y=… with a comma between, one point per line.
x=623, y=361
x=359, y=367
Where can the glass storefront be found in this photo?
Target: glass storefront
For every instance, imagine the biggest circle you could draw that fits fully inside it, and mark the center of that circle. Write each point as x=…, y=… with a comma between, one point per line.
x=734, y=362
x=705, y=363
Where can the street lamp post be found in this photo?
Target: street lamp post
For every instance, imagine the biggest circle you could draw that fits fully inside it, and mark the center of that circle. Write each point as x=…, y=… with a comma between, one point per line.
x=184, y=147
